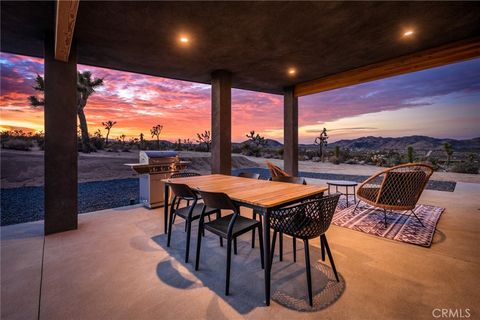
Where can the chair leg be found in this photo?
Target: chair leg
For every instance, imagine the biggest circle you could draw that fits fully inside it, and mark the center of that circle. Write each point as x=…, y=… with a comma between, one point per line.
x=322, y=247
x=413, y=212
x=254, y=217
x=170, y=225
x=229, y=259
x=330, y=257
x=309, y=275
x=235, y=246
x=272, y=251
x=260, y=241
x=199, y=245
x=280, y=243
x=294, y=249
x=385, y=217
x=356, y=206
x=189, y=231
x=219, y=215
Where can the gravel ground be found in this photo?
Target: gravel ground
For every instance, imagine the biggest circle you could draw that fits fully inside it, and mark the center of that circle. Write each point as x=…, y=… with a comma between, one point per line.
x=25, y=204
x=448, y=186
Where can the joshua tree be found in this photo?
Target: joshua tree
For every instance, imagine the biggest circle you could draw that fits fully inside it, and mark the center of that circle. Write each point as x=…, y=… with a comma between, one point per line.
x=86, y=86
x=122, y=139
x=410, y=154
x=98, y=134
x=321, y=141
x=108, y=126
x=449, y=151
x=142, y=141
x=205, y=138
x=155, y=131
x=257, y=139
x=187, y=143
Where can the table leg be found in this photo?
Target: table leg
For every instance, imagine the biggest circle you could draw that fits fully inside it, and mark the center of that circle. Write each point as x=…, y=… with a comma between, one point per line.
x=354, y=195
x=346, y=193
x=166, y=190
x=266, y=254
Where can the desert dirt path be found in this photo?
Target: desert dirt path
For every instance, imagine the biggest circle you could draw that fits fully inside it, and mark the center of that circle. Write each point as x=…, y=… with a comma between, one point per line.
x=26, y=168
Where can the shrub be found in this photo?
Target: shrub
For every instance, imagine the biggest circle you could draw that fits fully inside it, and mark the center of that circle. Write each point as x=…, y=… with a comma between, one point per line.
x=334, y=160
x=351, y=161
x=466, y=167
x=236, y=149
x=410, y=154
x=17, y=144
x=280, y=152
x=97, y=143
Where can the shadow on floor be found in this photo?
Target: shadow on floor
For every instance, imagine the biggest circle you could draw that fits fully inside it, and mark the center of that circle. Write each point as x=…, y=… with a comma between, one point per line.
x=289, y=286
x=22, y=231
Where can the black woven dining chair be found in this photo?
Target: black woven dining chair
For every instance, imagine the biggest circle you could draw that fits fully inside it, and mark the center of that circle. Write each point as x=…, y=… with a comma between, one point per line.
x=255, y=176
x=228, y=227
x=307, y=220
x=250, y=175
x=295, y=180
x=189, y=212
x=184, y=175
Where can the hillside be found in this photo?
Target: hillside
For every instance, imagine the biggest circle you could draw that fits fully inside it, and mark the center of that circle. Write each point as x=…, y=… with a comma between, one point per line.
x=401, y=143
x=378, y=143
x=269, y=143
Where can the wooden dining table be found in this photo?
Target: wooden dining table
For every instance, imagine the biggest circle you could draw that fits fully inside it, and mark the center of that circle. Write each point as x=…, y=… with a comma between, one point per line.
x=261, y=195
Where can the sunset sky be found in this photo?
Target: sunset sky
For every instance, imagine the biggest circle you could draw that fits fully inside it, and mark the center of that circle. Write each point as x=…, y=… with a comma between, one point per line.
x=442, y=102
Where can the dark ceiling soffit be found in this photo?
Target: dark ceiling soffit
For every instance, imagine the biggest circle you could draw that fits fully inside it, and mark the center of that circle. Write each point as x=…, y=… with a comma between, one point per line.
x=344, y=79
x=144, y=73
x=421, y=60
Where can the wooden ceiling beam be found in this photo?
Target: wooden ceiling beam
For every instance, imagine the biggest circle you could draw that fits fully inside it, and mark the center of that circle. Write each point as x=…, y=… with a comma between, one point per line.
x=436, y=57
x=66, y=16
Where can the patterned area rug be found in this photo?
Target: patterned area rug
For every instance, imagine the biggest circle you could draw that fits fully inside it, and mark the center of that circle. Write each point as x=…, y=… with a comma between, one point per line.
x=288, y=285
x=401, y=225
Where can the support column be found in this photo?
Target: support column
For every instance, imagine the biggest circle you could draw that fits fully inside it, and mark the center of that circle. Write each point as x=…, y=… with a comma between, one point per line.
x=60, y=140
x=221, y=122
x=290, y=132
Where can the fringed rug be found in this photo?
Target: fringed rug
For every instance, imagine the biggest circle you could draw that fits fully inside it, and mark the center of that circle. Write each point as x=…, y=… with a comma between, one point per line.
x=401, y=225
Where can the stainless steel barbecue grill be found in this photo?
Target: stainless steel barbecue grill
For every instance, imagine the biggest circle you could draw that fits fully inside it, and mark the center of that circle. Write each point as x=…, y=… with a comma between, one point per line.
x=153, y=167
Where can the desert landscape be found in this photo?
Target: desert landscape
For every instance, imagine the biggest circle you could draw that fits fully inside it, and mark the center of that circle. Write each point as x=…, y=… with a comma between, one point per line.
x=106, y=182
x=25, y=168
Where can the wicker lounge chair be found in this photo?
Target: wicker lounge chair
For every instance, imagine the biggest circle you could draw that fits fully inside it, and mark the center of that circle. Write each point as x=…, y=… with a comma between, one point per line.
x=275, y=171
x=397, y=188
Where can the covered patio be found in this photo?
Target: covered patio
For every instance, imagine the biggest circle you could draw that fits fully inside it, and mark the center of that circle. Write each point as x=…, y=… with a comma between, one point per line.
x=114, y=266
x=111, y=264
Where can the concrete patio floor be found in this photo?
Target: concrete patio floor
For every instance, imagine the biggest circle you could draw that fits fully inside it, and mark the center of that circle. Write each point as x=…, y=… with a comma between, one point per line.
x=107, y=269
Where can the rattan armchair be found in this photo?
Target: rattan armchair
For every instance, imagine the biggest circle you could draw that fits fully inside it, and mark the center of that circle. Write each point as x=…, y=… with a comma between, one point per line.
x=397, y=188
x=275, y=171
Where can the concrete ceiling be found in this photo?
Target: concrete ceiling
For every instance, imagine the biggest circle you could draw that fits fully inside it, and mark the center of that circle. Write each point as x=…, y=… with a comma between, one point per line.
x=256, y=41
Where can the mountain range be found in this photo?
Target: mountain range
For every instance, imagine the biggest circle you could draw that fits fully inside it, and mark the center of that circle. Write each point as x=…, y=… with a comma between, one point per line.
x=401, y=143
x=379, y=143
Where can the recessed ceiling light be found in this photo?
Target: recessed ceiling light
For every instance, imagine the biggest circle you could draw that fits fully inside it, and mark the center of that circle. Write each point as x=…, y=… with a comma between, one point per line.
x=408, y=33
x=184, y=39
x=292, y=71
